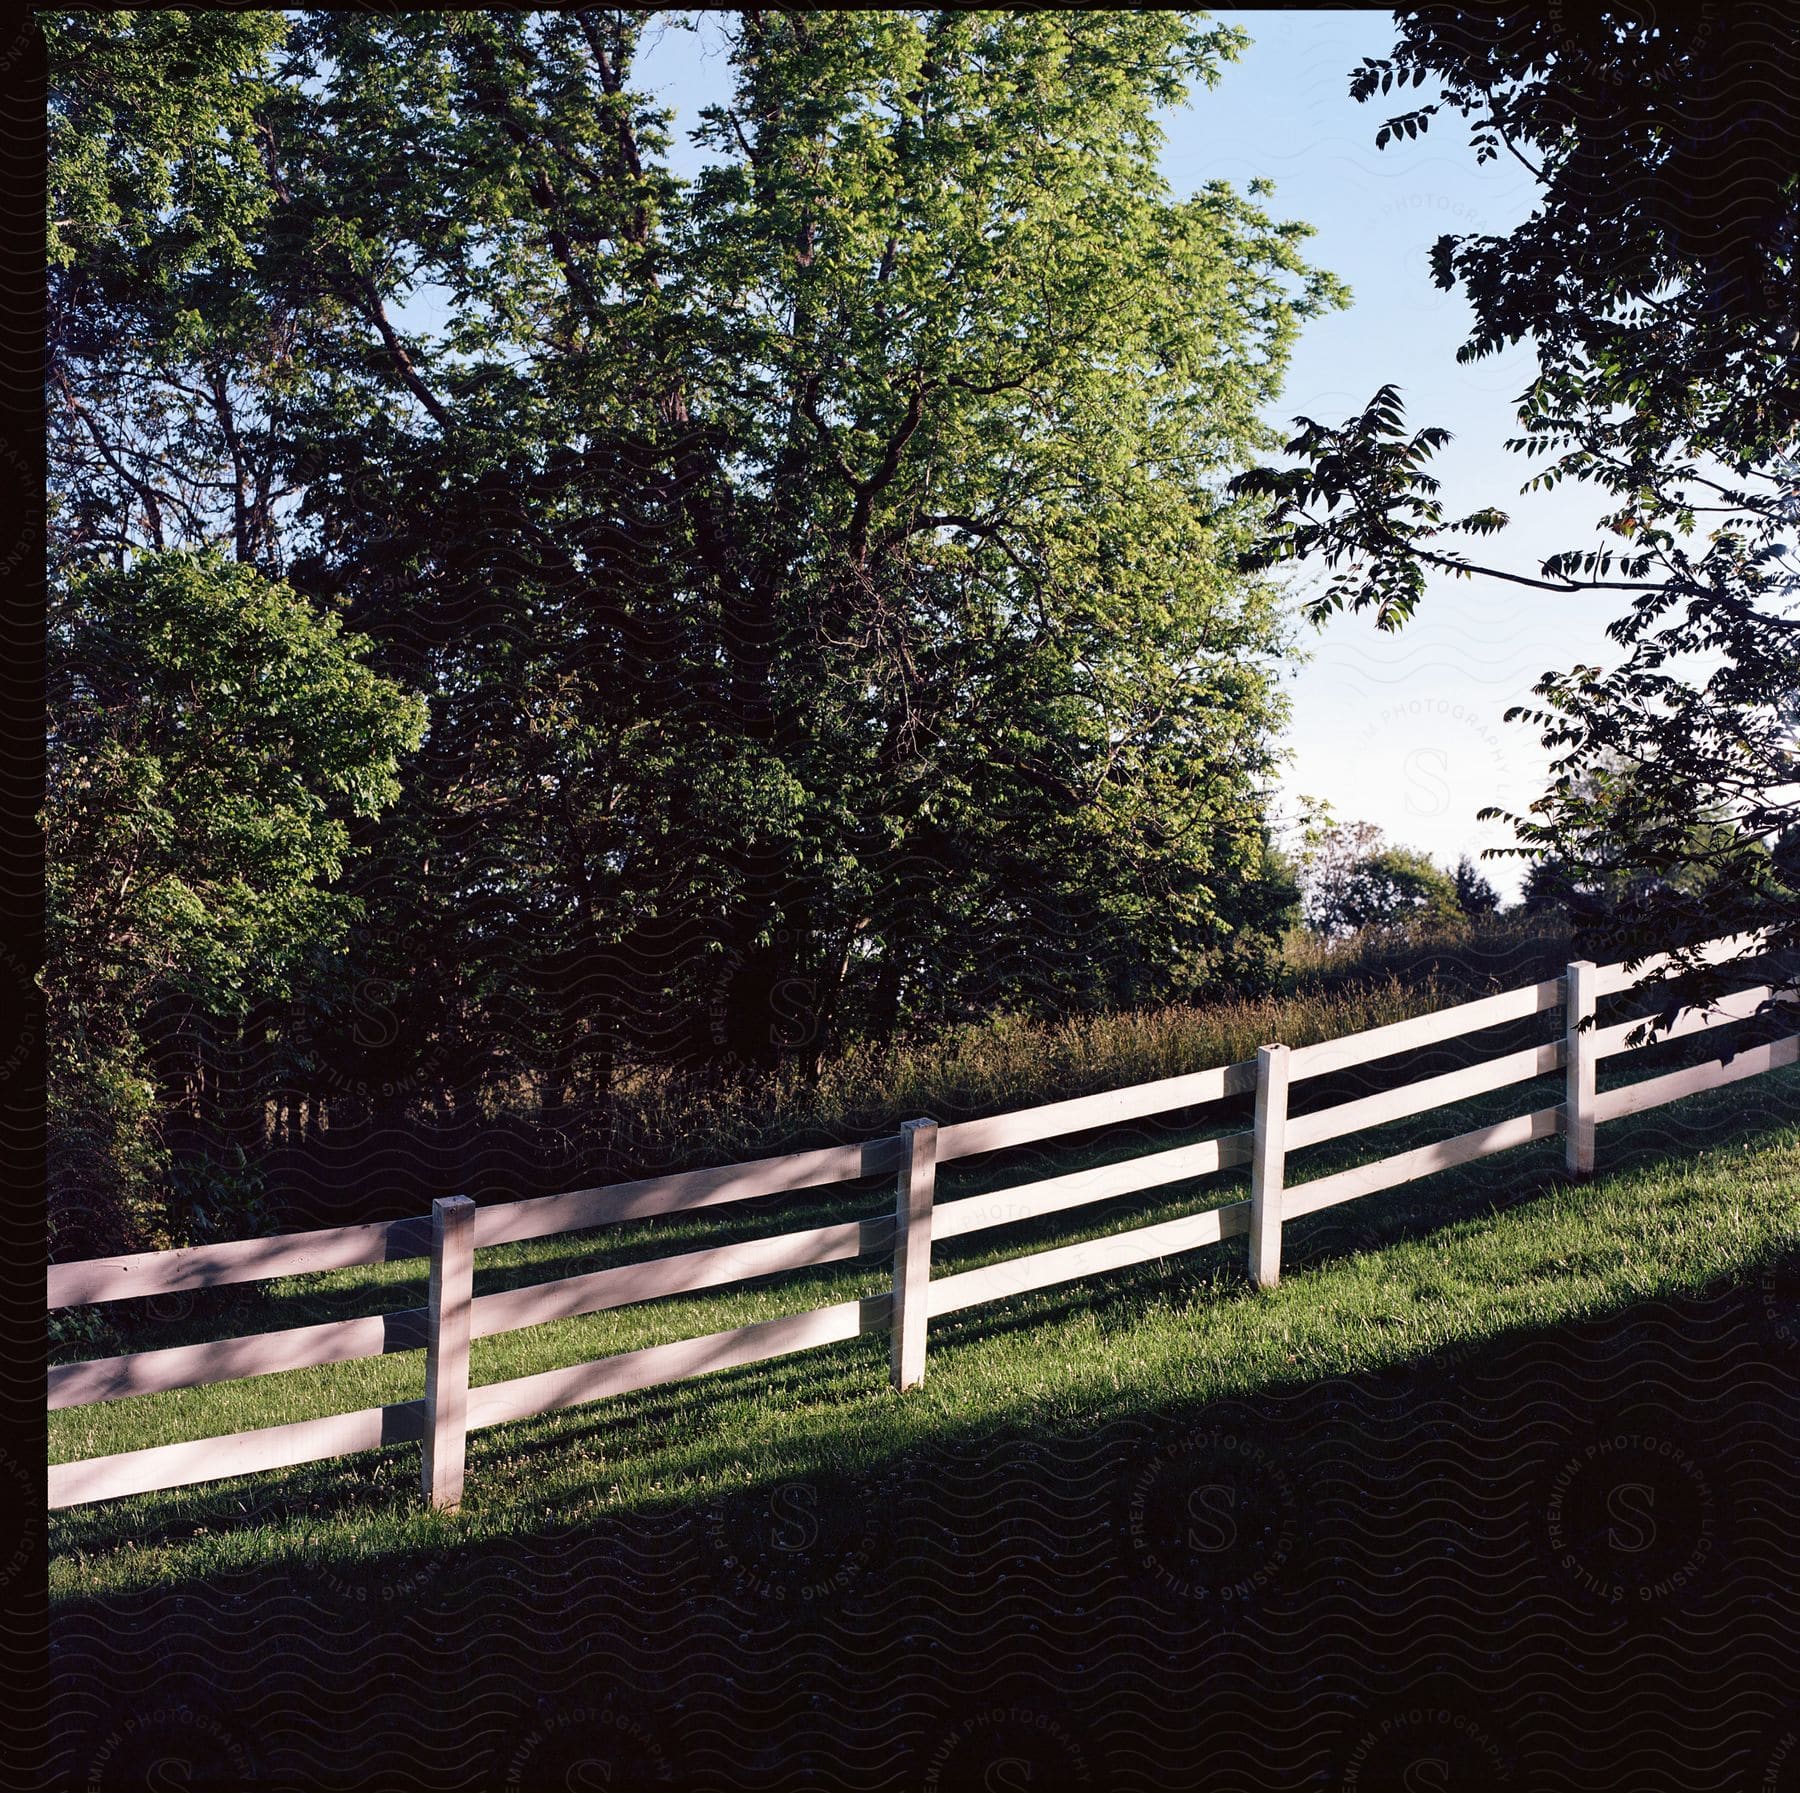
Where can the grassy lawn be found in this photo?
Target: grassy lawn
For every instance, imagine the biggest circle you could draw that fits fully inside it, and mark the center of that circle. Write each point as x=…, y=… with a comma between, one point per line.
x=1691, y=1197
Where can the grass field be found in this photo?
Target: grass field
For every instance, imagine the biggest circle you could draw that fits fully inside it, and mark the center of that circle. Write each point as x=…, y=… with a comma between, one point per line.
x=1691, y=1197
x=1503, y=1460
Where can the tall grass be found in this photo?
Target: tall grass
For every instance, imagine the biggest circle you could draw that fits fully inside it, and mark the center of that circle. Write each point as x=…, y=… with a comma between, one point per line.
x=1471, y=957
x=655, y=1120
x=1007, y=1061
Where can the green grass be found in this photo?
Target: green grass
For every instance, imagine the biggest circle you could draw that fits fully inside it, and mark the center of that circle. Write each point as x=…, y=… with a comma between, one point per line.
x=1691, y=1196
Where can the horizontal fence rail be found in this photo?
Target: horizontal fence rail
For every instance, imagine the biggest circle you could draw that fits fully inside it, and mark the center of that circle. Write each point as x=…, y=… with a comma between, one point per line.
x=527, y=1396
x=1406, y=1167
x=342, y=1341
x=1415, y=1098
x=1052, y=1195
x=1613, y=980
x=1634, y=1098
x=1426, y=1030
x=240, y=1453
x=240, y=1261
x=1068, y=1263
x=1082, y=1114
x=447, y=1239
x=346, y=1247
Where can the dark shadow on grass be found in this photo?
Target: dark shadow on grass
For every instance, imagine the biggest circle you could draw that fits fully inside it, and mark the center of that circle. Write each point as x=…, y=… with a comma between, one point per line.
x=1437, y=1528
x=1412, y=1212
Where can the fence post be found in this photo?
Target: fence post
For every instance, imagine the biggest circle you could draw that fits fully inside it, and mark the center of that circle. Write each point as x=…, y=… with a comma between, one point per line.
x=447, y=1348
x=1579, y=996
x=1268, y=1161
x=912, y=1251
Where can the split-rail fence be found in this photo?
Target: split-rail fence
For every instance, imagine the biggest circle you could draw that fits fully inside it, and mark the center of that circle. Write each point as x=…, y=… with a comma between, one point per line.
x=457, y=1228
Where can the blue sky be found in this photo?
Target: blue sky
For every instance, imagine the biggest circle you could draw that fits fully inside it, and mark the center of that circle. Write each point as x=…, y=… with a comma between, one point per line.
x=1404, y=730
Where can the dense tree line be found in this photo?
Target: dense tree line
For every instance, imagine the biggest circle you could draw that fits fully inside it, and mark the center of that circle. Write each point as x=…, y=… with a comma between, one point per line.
x=794, y=605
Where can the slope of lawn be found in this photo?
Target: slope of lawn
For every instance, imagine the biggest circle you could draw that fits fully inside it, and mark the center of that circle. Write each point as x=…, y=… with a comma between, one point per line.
x=1691, y=1197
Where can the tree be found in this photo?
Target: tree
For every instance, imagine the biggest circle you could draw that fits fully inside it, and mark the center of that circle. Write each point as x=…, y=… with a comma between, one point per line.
x=1475, y=895
x=1550, y=888
x=1330, y=852
x=1656, y=282
x=1398, y=887
x=1355, y=880
x=164, y=357
x=1608, y=807
x=822, y=571
x=211, y=735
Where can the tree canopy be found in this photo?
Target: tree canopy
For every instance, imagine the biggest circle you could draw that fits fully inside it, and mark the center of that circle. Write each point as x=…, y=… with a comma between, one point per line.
x=1355, y=880
x=823, y=573
x=212, y=738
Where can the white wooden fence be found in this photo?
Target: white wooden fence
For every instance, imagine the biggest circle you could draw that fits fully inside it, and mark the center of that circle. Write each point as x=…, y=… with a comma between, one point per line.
x=457, y=1229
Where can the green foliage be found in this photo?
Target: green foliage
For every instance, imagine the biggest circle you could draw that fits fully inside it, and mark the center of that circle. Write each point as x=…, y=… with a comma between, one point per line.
x=166, y=352
x=1472, y=956
x=1362, y=502
x=1550, y=888
x=1475, y=895
x=1398, y=885
x=107, y=1160
x=1610, y=811
x=823, y=570
x=153, y=126
x=211, y=737
x=1355, y=882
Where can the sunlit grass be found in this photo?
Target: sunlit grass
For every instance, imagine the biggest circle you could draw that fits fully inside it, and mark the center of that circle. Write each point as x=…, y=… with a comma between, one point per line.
x=1692, y=1196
